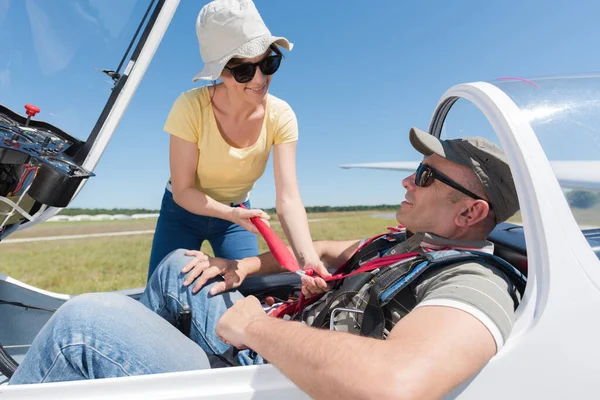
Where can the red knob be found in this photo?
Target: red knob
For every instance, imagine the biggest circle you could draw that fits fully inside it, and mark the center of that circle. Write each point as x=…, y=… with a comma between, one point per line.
x=269, y=301
x=31, y=110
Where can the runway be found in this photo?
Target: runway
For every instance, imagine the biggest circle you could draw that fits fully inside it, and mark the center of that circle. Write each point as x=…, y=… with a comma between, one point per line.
x=108, y=234
x=71, y=237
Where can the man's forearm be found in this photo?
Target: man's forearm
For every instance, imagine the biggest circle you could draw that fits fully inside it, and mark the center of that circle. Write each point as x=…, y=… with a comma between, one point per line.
x=332, y=253
x=325, y=364
x=263, y=264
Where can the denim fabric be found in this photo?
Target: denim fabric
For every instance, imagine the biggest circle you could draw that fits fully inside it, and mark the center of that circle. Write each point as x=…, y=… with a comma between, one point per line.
x=166, y=295
x=178, y=228
x=104, y=335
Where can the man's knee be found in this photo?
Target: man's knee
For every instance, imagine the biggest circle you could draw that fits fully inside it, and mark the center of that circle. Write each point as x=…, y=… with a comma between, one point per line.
x=172, y=264
x=84, y=309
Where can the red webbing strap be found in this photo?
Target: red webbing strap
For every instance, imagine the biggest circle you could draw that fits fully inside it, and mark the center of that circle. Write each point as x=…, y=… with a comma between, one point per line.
x=373, y=265
x=276, y=245
x=359, y=248
x=302, y=303
x=288, y=261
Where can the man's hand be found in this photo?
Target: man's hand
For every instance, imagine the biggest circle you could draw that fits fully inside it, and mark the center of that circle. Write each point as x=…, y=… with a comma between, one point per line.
x=315, y=284
x=202, y=268
x=231, y=328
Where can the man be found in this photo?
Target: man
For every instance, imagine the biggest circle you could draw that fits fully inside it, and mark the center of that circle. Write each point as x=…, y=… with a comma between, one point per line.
x=460, y=316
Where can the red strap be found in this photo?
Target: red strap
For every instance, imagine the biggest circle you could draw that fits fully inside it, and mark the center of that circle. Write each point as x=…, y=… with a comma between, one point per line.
x=366, y=243
x=276, y=245
x=302, y=303
x=288, y=261
x=374, y=264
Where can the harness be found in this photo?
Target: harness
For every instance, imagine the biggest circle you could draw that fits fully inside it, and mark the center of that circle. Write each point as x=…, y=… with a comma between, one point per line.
x=375, y=287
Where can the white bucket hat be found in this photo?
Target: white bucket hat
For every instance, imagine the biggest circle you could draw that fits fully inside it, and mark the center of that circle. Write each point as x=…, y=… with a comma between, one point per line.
x=231, y=28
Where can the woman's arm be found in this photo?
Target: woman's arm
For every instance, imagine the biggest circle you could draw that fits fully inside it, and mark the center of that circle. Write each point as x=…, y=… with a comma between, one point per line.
x=184, y=161
x=202, y=268
x=290, y=209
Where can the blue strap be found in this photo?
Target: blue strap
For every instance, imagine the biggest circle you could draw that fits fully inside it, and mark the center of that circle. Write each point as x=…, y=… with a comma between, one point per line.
x=398, y=286
x=444, y=257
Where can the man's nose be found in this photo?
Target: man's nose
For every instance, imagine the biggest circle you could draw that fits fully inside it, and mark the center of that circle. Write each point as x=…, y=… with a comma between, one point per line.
x=409, y=182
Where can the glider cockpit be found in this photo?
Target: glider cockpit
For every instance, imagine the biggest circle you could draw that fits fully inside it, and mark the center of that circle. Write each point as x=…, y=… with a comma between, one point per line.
x=38, y=166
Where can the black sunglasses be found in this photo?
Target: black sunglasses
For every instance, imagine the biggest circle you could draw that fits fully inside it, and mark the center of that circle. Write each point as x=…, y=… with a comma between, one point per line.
x=425, y=176
x=244, y=73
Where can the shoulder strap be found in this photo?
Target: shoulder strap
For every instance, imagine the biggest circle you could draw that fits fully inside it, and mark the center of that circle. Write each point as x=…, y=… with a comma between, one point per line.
x=365, y=257
x=384, y=290
x=371, y=249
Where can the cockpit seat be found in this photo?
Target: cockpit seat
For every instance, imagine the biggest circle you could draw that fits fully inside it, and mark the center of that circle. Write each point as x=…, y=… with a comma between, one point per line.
x=285, y=282
x=509, y=244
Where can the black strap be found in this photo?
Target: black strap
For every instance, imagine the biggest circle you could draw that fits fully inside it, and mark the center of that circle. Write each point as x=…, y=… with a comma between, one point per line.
x=373, y=322
x=8, y=365
x=350, y=287
x=374, y=250
x=227, y=359
x=374, y=317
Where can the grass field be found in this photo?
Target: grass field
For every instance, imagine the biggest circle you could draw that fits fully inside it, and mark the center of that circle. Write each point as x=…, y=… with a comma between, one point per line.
x=112, y=263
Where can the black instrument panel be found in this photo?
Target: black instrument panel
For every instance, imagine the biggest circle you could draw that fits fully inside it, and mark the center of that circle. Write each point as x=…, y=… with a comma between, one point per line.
x=30, y=145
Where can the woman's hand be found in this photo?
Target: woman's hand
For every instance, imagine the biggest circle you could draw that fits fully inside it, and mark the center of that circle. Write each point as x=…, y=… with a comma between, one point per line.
x=241, y=216
x=203, y=268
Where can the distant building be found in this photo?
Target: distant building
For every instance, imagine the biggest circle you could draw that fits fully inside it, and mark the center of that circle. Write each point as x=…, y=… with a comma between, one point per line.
x=82, y=217
x=101, y=217
x=60, y=218
x=144, y=216
x=120, y=217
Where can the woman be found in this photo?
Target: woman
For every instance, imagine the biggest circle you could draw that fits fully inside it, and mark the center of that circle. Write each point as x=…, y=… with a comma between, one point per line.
x=221, y=137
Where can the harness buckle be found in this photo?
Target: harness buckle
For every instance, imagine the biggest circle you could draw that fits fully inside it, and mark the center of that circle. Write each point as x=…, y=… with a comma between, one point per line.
x=340, y=309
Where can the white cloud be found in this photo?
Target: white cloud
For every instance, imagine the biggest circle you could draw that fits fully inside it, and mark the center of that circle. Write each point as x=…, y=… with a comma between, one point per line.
x=4, y=4
x=4, y=78
x=83, y=14
x=53, y=54
x=113, y=21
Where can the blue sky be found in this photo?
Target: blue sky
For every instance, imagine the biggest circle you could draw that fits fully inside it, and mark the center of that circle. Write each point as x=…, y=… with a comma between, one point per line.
x=360, y=75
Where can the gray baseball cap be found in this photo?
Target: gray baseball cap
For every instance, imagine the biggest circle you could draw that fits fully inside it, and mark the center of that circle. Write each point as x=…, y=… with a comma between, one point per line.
x=486, y=160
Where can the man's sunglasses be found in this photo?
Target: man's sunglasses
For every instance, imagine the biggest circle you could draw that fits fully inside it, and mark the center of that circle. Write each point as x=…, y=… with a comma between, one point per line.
x=244, y=73
x=425, y=176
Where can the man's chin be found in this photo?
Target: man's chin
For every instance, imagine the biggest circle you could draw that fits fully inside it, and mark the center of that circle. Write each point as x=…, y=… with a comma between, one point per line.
x=399, y=217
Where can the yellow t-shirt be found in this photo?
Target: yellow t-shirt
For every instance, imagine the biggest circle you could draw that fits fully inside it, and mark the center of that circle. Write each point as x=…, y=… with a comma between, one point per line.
x=225, y=173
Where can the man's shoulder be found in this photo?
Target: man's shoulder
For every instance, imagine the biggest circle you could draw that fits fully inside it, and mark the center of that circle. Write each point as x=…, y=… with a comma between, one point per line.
x=480, y=269
x=479, y=288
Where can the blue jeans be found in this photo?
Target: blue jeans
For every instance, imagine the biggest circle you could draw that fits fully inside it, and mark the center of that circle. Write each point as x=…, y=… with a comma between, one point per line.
x=166, y=295
x=104, y=335
x=178, y=228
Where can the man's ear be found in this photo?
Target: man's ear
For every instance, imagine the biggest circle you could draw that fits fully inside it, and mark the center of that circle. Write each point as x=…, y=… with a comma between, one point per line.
x=474, y=212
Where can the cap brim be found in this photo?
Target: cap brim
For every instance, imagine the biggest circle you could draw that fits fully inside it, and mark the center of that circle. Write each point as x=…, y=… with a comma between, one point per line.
x=254, y=48
x=426, y=143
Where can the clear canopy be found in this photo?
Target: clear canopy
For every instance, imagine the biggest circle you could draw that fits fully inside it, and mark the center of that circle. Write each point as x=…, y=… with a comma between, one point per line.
x=53, y=54
x=564, y=112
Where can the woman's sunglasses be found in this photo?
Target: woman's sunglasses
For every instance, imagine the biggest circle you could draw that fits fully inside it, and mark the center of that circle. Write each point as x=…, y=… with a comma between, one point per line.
x=244, y=73
x=425, y=176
